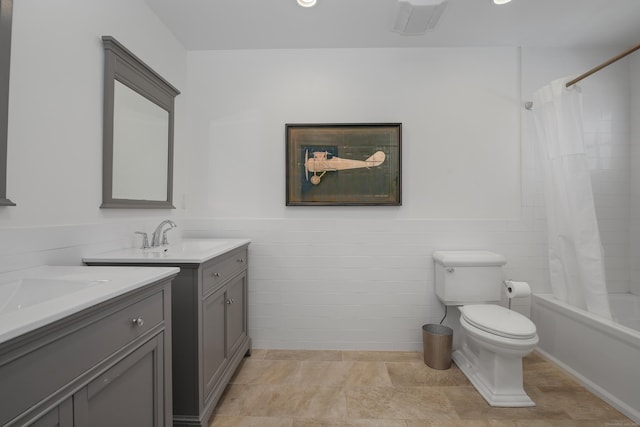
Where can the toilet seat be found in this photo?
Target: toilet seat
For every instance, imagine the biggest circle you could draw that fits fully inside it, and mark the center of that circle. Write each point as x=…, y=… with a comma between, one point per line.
x=499, y=321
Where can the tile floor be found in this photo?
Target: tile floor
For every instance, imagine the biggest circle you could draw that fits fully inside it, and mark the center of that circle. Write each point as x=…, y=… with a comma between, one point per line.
x=282, y=388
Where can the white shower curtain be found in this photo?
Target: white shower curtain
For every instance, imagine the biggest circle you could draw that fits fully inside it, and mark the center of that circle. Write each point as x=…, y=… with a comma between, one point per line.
x=575, y=252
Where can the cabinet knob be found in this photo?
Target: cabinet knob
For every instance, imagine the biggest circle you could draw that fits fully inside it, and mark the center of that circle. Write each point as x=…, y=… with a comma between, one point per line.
x=229, y=302
x=137, y=321
x=215, y=274
x=241, y=260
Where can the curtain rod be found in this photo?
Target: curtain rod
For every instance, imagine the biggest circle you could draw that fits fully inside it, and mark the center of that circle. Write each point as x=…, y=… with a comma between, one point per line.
x=603, y=65
x=528, y=105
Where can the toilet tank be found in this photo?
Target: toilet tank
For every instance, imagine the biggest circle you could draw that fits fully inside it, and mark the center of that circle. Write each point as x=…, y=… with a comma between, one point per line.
x=468, y=277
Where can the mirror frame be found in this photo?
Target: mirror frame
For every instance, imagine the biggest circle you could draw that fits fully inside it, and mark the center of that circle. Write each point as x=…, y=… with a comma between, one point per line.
x=6, y=12
x=122, y=65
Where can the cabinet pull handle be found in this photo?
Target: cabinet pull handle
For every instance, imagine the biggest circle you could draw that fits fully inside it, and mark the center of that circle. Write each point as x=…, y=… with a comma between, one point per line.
x=137, y=321
x=215, y=274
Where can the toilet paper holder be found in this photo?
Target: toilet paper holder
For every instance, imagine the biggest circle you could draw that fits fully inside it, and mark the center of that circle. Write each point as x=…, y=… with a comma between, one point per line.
x=515, y=289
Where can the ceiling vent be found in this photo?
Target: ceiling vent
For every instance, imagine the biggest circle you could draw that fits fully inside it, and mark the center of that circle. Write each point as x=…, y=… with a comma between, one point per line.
x=415, y=17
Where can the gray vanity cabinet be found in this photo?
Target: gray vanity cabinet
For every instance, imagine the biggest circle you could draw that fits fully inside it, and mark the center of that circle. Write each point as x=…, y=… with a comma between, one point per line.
x=224, y=331
x=210, y=304
x=108, y=365
x=236, y=321
x=124, y=395
x=210, y=330
x=59, y=416
x=213, y=342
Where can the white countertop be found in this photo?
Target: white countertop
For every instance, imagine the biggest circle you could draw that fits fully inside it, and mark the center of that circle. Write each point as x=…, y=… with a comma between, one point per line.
x=181, y=251
x=35, y=297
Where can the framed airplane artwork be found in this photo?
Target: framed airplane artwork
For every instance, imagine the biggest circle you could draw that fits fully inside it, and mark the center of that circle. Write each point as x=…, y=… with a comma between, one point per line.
x=343, y=164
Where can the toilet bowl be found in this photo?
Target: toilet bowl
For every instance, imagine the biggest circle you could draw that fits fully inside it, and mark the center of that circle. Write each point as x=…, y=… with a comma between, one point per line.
x=499, y=329
x=492, y=339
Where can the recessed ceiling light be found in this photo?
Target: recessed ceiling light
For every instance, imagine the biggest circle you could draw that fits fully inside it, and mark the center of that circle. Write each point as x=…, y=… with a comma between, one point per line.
x=501, y=1
x=306, y=3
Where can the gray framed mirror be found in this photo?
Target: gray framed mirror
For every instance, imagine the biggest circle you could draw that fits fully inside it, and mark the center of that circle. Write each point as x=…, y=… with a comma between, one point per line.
x=137, y=132
x=6, y=12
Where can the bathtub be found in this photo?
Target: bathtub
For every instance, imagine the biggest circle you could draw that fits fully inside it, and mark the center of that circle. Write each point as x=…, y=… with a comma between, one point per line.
x=604, y=355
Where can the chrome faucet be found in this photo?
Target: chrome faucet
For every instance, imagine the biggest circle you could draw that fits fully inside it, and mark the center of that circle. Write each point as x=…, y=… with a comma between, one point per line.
x=155, y=239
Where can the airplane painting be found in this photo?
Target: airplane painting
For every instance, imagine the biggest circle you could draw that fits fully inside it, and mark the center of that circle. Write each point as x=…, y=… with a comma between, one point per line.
x=321, y=162
x=343, y=164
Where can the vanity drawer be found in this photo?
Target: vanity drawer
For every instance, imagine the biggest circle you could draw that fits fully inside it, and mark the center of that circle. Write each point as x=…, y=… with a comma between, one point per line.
x=42, y=369
x=219, y=270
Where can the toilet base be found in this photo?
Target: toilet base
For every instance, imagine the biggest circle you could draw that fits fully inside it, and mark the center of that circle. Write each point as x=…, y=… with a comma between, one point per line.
x=499, y=387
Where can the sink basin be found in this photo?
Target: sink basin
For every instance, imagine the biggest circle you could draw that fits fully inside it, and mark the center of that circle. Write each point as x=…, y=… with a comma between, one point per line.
x=190, y=246
x=22, y=293
x=180, y=251
x=34, y=297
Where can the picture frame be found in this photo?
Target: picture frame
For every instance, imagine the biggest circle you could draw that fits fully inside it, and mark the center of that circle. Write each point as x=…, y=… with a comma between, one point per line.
x=344, y=164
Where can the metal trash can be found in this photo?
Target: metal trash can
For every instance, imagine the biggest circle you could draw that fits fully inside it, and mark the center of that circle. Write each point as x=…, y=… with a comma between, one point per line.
x=437, y=341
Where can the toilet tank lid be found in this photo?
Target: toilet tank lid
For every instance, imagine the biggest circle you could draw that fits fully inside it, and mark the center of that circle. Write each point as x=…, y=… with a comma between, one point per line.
x=468, y=258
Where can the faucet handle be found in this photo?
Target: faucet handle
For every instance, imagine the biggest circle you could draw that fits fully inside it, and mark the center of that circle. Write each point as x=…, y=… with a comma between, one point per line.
x=145, y=239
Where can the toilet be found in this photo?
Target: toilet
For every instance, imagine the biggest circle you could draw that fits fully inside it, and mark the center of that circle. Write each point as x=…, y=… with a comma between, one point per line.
x=492, y=340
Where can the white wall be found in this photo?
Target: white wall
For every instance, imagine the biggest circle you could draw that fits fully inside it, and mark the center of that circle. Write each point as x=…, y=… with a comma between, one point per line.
x=456, y=105
x=331, y=277
x=360, y=277
x=634, y=118
x=55, y=126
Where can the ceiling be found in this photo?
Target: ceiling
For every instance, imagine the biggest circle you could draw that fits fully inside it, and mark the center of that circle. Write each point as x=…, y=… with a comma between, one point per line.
x=282, y=24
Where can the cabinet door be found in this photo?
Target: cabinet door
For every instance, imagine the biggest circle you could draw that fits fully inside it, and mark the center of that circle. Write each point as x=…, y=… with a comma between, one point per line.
x=131, y=393
x=215, y=356
x=236, y=312
x=60, y=416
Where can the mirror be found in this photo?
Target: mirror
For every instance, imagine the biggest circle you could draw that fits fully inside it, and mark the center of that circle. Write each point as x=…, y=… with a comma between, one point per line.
x=141, y=146
x=138, y=132
x=6, y=11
